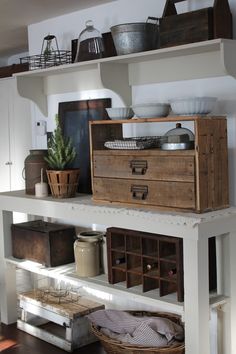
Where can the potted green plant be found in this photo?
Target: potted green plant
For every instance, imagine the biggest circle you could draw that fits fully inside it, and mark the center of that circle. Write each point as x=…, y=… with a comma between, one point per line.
x=63, y=180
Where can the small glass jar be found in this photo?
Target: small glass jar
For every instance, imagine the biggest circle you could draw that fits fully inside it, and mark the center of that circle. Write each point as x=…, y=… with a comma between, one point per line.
x=90, y=44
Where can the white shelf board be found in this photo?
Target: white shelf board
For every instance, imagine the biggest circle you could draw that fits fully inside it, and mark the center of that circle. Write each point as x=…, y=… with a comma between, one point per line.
x=215, y=45
x=84, y=209
x=191, y=61
x=67, y=273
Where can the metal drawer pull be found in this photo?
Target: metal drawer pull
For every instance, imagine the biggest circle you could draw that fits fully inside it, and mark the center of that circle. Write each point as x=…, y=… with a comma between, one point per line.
x=139, y=192
x=138, y=167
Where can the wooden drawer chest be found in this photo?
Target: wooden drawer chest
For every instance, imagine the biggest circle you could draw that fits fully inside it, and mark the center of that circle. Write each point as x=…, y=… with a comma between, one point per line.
x=193, y=180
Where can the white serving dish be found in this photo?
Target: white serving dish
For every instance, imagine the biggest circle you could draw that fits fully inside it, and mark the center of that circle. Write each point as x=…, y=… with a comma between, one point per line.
x=151, y=110
x=193, y=105
x=120, y=113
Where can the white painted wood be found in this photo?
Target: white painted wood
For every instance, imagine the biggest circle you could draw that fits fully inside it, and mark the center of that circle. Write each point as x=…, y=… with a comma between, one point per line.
x=45, y=313
x=33, y=89
x=44, y=335
x=219, y=265
x=15, y=135
x=195, y=229
x=196, y=290
x=8, y=297
x=115, y=77
x=81, y=80
x=20, y=134
x=196, y=60
x=5, y=158
x=230, y=286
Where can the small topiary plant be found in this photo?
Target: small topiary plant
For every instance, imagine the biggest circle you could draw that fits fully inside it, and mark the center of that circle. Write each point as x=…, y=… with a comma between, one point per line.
x=61, y=152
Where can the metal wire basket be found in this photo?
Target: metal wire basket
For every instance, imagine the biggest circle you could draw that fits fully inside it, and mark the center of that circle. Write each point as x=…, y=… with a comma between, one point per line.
x=42, y=61
x=136, y=143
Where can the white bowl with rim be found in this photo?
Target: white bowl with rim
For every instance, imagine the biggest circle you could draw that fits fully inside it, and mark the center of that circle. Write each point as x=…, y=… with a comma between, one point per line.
x=117, y=113
x=193, y=105
x=151, y=110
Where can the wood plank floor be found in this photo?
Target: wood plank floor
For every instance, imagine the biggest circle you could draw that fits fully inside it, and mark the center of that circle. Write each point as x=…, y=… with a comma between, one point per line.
x=14, y=341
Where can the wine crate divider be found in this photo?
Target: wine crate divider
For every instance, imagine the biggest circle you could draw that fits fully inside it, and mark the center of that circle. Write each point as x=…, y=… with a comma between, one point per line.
x=147, y=259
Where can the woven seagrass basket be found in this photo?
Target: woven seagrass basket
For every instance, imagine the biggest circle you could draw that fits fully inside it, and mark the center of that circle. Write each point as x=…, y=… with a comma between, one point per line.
x=63, y=184
x=113, y=346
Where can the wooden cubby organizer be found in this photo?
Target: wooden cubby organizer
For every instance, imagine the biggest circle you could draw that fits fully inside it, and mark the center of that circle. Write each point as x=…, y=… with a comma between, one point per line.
x=147, y=259
x=186, y=180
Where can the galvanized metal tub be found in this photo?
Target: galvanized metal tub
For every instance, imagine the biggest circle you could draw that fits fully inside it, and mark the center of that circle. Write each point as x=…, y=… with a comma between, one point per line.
x=135, y=37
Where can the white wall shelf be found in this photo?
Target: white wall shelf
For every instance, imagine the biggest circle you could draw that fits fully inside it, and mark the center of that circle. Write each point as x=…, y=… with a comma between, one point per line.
x=191, y=61
x=195, y=229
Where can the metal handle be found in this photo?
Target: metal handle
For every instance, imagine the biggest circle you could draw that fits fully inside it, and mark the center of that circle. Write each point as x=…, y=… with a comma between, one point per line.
x=155, y=19
x=138, y=167
x=139, y=192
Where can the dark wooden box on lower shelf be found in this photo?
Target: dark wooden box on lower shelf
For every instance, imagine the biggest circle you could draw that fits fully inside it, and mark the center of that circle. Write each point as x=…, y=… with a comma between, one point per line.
x=48, y=243
x=151, y=260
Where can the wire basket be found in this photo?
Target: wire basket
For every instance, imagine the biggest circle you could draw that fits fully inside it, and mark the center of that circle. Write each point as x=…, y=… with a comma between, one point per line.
x=136, y=143
x=113, y=346
x=42, y=61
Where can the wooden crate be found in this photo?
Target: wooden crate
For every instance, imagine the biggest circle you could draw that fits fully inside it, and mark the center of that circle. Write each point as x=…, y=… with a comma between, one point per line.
x=141, y=258
x=48, y=243
x=152, y=261
x=62, y=324
x=9, y=70
x=195, y=26
x=188, y=180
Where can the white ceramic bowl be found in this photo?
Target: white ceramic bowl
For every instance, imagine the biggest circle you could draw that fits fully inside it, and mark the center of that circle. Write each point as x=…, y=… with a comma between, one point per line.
x=151, y=110
x=120, y=112
x=194, y=105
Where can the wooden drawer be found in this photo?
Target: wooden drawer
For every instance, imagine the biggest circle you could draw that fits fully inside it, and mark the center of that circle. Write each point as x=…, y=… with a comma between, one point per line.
x=144, y=165
x=157, y=193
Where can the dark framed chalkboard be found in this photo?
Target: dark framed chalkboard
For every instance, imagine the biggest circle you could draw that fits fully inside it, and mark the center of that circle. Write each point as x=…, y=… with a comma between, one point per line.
x=74, y=117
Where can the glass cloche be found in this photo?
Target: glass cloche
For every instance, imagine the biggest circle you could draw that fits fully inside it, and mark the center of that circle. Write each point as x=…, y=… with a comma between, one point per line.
x=90, y=44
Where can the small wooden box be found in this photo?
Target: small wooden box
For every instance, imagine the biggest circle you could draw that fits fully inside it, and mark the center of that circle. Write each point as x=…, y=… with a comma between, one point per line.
x=7, y=71
x=195, y=26
x=48, y=243
x=62, y=324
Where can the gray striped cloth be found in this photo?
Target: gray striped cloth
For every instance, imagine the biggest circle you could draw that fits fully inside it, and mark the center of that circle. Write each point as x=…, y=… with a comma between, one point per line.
x=145, y=331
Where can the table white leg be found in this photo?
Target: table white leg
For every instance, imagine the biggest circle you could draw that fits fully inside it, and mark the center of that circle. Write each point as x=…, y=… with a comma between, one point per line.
x=8, y=297
x=229, y=257
x=196, y=296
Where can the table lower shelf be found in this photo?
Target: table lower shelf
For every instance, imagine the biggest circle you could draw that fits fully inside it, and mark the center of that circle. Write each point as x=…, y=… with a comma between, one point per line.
x=99, y=284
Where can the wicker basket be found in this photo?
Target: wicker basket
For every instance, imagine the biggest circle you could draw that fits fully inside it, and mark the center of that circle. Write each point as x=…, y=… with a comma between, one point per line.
x=63, y=184
x=113, y=346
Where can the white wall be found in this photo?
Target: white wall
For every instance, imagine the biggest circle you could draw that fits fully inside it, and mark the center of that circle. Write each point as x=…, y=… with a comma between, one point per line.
x=104, y=16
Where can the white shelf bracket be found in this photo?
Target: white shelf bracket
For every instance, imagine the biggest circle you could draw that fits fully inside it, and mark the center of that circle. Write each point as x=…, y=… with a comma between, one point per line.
x=33, y=89
x=115, y=76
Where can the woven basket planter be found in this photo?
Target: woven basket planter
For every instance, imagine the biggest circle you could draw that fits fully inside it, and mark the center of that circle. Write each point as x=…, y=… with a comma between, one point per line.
x=63, y=184
x=113, y=346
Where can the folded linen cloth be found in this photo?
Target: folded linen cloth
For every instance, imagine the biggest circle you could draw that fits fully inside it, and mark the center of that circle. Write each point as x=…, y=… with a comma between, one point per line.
x=145, y=331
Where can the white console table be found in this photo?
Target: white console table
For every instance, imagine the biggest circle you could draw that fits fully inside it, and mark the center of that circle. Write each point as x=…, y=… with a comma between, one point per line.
x=195, y=229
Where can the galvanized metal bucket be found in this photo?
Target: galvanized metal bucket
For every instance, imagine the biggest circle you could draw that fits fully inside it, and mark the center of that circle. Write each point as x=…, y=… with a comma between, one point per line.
x=136, y=37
